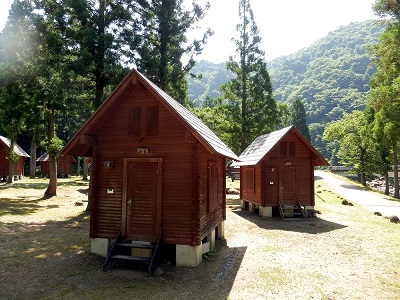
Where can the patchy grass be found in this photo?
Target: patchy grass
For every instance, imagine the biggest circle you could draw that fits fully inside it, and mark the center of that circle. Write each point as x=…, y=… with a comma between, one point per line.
x=232, y=200
x=23, y=201
x=344, y=253
x=232, y=184
x=41, y=183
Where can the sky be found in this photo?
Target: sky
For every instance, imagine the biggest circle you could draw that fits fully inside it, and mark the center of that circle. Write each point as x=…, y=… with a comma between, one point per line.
x=284, y=26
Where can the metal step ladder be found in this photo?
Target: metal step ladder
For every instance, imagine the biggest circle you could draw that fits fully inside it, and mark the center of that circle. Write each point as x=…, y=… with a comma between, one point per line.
x=130, y=251
x=292, y=211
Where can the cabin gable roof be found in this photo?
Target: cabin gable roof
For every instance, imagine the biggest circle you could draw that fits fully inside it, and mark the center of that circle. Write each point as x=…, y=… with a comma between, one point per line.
x=263, y=145
x=199, y=130
x=17, y=148
x=45, y=157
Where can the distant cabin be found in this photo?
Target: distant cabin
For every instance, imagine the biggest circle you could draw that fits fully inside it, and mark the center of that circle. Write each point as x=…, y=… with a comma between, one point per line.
x=277, y=172
x=5, y=145
x=64, y=165
x=157, y=172
x=233, y=171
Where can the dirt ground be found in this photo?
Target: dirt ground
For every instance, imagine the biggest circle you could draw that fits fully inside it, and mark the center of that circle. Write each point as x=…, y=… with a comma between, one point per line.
x=343, y=253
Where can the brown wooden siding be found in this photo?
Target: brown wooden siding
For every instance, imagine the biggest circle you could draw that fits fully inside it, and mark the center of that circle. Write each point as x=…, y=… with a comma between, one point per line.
x=251, y=184
x=271, y=183
x=210, y=217
x=182, y=221
x=64, y=166
x=5, y=163
x=290, y=152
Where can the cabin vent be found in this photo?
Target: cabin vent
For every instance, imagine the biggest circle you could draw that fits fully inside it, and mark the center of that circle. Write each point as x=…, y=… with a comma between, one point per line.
x=148, y=125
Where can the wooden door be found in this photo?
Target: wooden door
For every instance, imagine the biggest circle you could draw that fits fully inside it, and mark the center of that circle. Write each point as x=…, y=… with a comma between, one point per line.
x=287, y=184
x=142, y=189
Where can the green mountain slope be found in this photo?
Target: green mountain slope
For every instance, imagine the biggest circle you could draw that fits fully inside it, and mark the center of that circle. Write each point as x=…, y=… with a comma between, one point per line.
x=330, y=76
x=213, y=76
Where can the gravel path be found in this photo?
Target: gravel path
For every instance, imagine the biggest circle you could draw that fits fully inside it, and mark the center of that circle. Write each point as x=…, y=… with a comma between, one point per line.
x=372, y=201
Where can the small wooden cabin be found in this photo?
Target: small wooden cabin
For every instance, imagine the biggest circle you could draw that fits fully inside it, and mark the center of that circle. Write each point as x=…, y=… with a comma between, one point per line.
x=5, y=145
x=277, y=172
x=64, y=165
x=156, y=169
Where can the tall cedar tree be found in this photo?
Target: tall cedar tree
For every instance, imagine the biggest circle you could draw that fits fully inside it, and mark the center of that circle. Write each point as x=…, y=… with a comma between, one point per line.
x=54, y=75
x=384, y=96
x=51, y=86
x=77, y=53
x=252, y=108
x=17, y=47
x=299, y=118
x=105, y=31
x=164, y=24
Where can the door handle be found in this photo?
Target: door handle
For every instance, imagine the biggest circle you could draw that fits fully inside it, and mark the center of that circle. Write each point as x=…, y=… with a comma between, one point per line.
x=129, y=201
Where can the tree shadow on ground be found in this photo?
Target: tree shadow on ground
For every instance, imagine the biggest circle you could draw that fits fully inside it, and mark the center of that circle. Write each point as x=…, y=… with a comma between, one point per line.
x=354, y=187
x=40, y=183
x=313, y=225
x=84, y=191
x=55, y=262
x=214, y=277
x=22, y=206
x=41, y=254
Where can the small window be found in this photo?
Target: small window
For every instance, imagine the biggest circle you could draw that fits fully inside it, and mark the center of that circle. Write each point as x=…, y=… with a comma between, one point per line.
x=250, y=179
x=212, y=186
x=283, y=150
x=153, y=121
x=292, y=149
x=135, y=121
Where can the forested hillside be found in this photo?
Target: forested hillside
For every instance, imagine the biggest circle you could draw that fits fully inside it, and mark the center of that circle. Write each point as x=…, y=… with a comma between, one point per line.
x=212, y=77
x=331, y=77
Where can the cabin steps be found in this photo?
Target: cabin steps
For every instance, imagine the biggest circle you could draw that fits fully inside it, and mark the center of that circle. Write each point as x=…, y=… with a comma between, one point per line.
x=132, y=258
x=292, y=212
x=134, y=251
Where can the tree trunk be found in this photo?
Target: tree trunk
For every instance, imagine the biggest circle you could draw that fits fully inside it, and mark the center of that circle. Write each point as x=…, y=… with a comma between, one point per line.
x=85, y=168
x=32, y=161
x=395, y=172
x=89, y=196
x=363, y=159
x=52, y=187
x=386, y=176
x=163, y=46
x=10, y=178
x=78, y=166
x=363, y=179
x=99, y=73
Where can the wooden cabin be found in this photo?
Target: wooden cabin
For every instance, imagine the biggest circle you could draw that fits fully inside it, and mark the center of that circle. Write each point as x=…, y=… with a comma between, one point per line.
x=5, y=145
x=233, y=171
x=277, y=174
x=156, y=170
x=64, y=165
